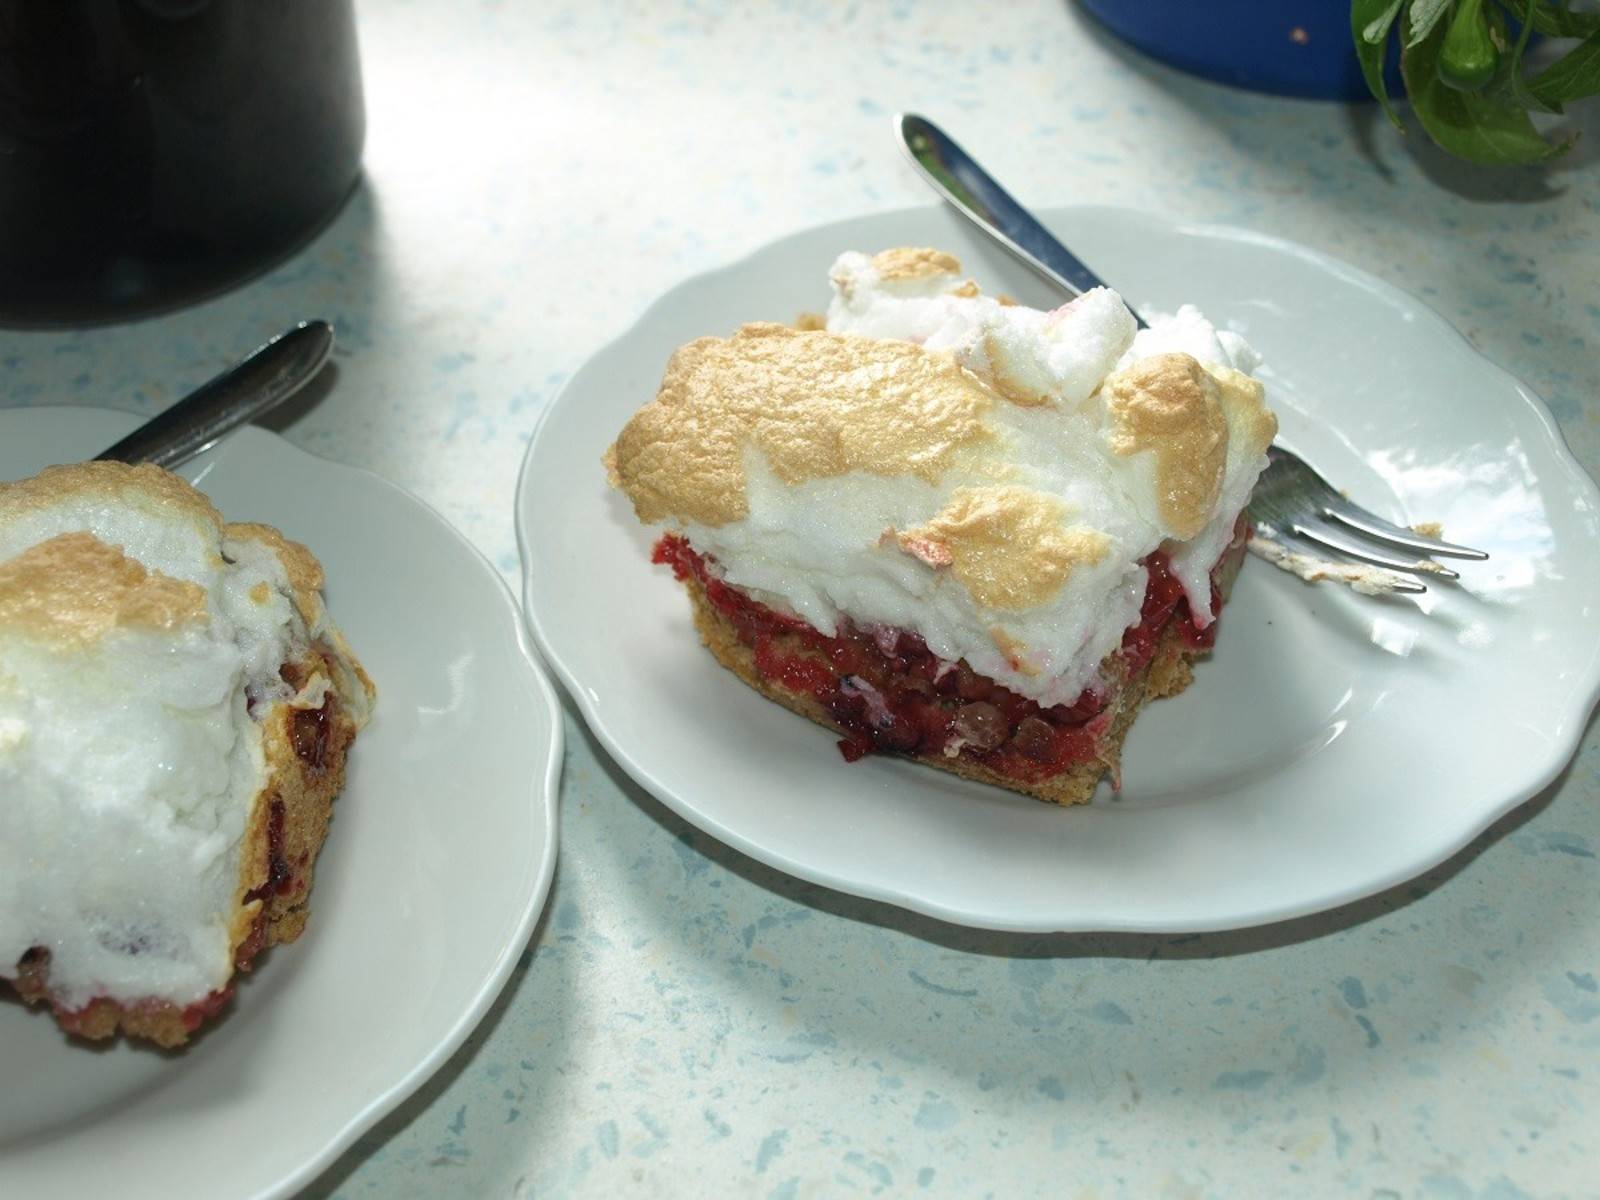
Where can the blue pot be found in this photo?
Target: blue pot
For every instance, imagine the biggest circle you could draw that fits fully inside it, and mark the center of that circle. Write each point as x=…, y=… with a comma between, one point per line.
x=1286, y=47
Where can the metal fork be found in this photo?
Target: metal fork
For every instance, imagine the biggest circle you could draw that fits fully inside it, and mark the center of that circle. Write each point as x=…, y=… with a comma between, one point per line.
x=1303, y=523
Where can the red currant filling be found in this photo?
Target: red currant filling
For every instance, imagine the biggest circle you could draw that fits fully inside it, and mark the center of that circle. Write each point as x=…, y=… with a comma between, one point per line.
x=890, y=693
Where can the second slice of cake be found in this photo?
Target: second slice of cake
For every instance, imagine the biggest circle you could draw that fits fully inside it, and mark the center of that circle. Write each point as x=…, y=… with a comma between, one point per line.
x=176, y=712
x=954, y=528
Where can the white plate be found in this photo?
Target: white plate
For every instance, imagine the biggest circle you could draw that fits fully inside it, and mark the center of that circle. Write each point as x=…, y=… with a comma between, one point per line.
x=1331, y=747
x=435, y=868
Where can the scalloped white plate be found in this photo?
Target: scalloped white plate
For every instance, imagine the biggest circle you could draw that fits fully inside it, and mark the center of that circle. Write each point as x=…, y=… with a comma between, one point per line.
x=436, y=866
x=1331, y=747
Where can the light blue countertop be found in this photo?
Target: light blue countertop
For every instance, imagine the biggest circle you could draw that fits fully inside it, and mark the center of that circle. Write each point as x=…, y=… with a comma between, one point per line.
x=689, y=1022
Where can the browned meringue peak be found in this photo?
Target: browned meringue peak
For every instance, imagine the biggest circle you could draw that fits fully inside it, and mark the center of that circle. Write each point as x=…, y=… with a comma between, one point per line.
x=73, y=589
x=914, y=262
x=161, y=496
x=1173, y=406
x=816, y=404
x=1009, y=546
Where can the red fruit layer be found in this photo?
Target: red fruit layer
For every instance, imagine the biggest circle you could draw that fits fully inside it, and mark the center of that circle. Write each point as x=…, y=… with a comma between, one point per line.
x=890, y=693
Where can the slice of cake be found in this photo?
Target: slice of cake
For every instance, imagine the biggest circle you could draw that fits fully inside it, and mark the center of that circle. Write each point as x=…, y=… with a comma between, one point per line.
x=951, y=527
x=175, y=713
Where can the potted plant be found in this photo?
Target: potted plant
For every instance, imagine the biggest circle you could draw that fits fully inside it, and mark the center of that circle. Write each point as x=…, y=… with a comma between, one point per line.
x=1462, y=62
x=1459, y=61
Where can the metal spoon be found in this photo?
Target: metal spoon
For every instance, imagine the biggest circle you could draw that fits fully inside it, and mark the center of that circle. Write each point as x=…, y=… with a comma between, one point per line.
x=978, y=196
x=264, y=380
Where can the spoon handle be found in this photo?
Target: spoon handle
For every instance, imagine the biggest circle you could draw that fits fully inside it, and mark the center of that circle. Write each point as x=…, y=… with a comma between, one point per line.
x=977, y=196
x=243, y=392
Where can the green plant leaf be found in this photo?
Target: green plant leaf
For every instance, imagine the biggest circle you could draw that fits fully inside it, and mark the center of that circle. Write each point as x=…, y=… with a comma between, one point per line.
x=1577, y=75
x=1481, y=128
x=1512, y=80
x=1555, y=21
x=1375, y=31
x=1370, y=21
x=1425, y=16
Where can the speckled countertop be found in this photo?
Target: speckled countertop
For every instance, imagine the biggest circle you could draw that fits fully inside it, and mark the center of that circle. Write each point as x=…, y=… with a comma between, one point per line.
x=691, y=1023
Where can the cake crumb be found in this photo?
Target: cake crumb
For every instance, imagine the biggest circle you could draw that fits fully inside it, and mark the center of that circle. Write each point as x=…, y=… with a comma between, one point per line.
x=1361, y=577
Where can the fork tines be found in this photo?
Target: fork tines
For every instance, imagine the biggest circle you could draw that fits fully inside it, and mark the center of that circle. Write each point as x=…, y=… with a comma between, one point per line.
x=1300, y=510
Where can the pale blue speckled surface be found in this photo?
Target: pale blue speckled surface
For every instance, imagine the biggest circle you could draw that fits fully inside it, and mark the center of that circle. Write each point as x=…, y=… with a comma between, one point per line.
x=690, y=1023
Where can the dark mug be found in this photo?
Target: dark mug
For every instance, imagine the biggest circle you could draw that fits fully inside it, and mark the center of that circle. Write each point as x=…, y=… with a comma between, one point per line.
x=155, y=151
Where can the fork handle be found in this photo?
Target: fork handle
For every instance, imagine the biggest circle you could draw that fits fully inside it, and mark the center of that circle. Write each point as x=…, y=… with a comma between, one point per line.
x=978, y=197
